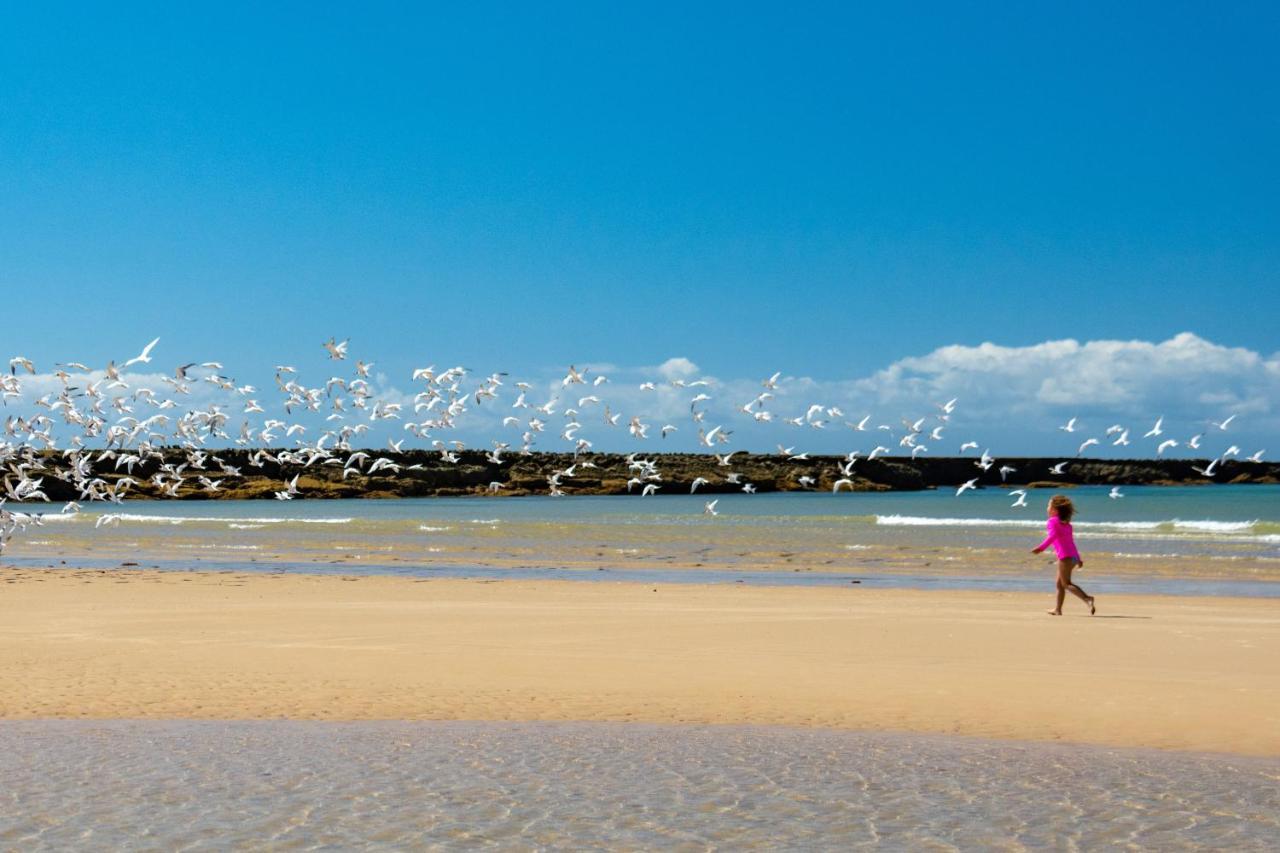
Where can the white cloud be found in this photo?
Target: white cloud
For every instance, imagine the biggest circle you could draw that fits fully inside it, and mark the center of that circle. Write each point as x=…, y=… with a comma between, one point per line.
x=1010, y=398
x=677, y=368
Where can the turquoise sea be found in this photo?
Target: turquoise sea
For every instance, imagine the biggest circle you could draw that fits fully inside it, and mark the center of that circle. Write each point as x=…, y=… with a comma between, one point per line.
x=1179, y=540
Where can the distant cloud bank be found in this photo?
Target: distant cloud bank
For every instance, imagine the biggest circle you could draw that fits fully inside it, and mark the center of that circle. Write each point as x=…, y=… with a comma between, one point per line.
x=1011, y=399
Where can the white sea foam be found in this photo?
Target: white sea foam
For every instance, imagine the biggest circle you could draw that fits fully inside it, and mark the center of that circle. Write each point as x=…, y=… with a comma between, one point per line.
x=183, y=519
x=1171, y=525
x=235, y=526
x=426, y=528
x=925, y=521
x=1216, y=526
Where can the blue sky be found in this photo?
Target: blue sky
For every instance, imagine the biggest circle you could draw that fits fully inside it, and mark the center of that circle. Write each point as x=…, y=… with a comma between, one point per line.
x=825, y=191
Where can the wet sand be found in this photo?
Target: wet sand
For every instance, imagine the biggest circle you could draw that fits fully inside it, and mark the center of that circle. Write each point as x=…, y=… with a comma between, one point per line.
x=1165, y=672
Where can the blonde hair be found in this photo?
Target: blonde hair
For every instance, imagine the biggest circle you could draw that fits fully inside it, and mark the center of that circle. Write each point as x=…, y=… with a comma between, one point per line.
x=1062, y=505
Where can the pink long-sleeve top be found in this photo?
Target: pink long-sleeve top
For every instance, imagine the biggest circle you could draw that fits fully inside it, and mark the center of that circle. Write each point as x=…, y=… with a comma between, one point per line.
x=1064, y=545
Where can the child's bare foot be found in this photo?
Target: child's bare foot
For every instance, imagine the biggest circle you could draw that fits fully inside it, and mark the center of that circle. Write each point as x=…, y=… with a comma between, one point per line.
x=1054, y=612
x=1092, y=609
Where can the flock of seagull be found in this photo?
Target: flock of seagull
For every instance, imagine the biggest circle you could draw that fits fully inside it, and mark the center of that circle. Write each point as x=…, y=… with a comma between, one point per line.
x=132, y=425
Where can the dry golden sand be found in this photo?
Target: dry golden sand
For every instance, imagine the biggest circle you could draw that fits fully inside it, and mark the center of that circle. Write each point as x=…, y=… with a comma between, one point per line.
x=1180, y=673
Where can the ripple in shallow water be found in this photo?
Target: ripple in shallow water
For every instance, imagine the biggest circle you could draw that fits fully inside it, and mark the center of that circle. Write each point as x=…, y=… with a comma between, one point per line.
x=298, y=785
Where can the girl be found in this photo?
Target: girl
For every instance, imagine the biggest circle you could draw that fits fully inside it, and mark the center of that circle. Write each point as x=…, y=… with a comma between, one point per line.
x=1060, y=510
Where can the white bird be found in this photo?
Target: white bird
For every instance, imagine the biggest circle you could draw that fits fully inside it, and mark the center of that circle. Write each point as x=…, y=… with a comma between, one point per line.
x=144, y=356
x=1224, y=424
x=749, y=488
x=1257, y=457
x=835, y=487
x=1059, y=468
x=698, y=481
x=1165, y=445
x=968, y=445
x=649, y=489
x=772, y=381
x=337, y=351
x=1069, y=426
x=1122, y=440
x=1022, y=498
x=1155, y=430
x=1206, y=471
x=1088, y=442
x=1005, y=471
x=709, y=508
x=1115, y=493
x=966, y=486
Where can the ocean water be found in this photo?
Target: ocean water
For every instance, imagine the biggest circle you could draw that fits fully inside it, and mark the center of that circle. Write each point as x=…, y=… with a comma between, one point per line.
x=1195, y=539
x=524, y=786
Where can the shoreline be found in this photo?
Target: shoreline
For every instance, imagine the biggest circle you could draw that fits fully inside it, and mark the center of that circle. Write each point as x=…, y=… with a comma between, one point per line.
x=1198, y=674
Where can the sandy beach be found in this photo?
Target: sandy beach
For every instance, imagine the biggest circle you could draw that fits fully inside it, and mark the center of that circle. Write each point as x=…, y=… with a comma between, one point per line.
x=1167, y=672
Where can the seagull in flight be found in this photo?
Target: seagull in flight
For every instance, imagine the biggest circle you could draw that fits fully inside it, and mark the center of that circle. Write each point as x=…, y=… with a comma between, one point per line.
x=1088, y=442
x=1022, y=498
x=1165, y=445
x=337, y=351
x=1156, y=430
x=709, y=508
x=1069, y=426
x=1208, y=470
x=1059, y=468
x=23, y=362
x=144, y=356
x=966, y=486
x=1222, y=425
x=1115, y=493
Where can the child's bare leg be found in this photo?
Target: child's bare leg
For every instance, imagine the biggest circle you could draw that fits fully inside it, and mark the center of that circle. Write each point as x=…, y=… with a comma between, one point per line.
x=1061, y=591
x=1065, y=584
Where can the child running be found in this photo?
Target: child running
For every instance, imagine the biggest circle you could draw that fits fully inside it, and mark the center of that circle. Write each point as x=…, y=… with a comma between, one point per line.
x=1060, y=510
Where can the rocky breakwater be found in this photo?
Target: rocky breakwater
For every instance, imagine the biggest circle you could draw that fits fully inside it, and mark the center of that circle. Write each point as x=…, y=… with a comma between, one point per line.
x=420, y=473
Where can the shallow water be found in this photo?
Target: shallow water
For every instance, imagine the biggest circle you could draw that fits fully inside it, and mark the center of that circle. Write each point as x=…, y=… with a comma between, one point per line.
x=302, y=785
x=1197, y=540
